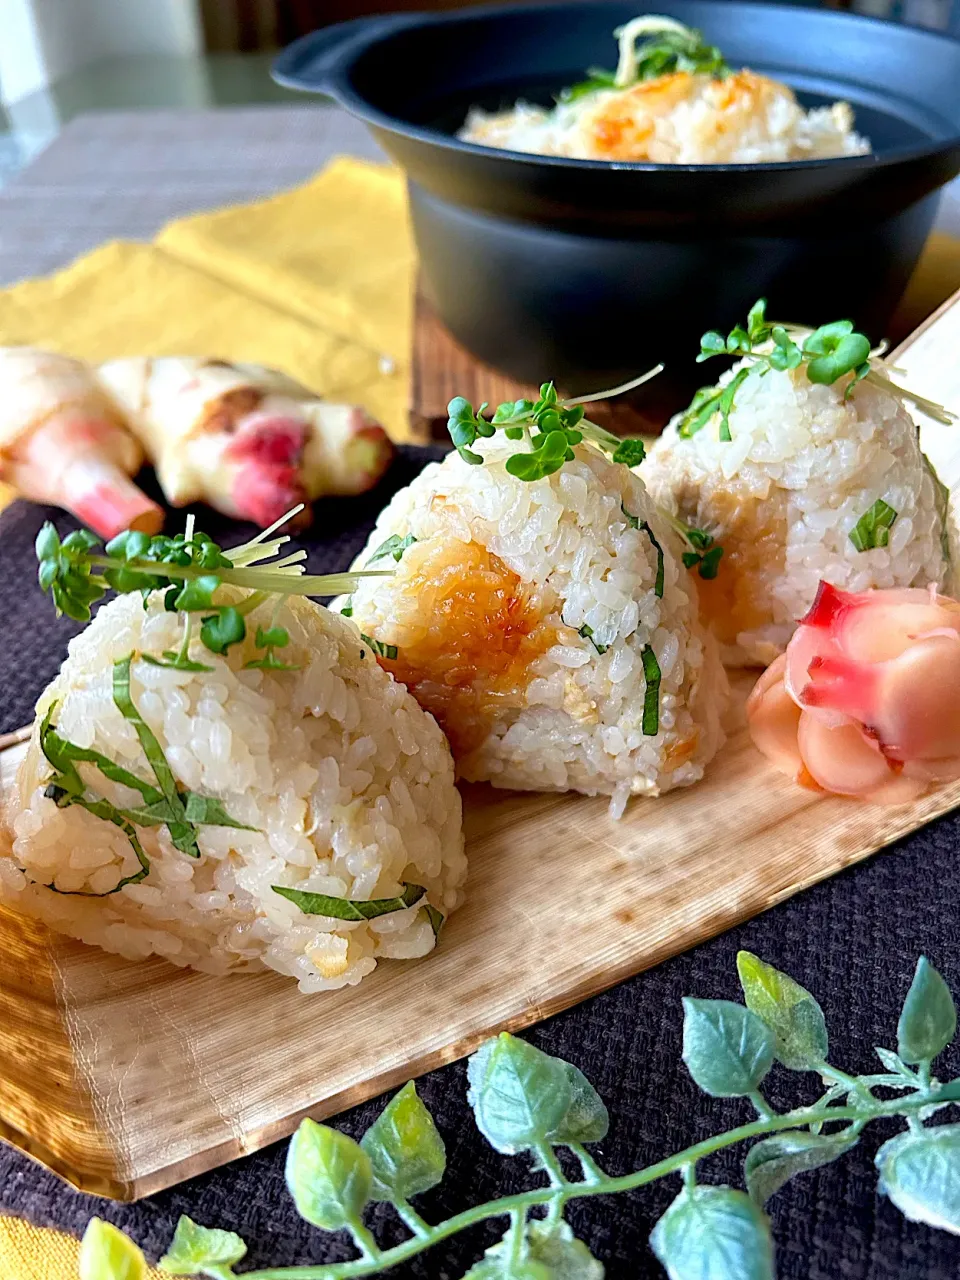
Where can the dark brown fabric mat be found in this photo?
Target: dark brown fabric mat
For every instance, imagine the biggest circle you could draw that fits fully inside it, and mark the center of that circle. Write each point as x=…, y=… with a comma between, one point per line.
x=853, y=941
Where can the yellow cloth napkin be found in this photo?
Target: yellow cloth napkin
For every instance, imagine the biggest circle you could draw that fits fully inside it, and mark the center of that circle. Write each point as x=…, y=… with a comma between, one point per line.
x=35, y=1253
x=317, y=282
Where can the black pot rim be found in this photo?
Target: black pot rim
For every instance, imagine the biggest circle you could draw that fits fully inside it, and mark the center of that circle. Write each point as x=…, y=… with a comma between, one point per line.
x=367, y=31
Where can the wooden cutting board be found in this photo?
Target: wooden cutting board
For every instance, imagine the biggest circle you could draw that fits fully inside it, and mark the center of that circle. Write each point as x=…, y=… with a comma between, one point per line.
x=125, y=1078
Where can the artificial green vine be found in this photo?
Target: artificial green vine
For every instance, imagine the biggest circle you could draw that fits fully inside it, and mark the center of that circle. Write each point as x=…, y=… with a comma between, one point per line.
x=525, y=1101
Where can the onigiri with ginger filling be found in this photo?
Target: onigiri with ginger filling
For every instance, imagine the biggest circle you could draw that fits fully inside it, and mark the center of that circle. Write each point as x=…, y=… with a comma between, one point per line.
x=804, y=463
x=544, y=619
x=273, y=801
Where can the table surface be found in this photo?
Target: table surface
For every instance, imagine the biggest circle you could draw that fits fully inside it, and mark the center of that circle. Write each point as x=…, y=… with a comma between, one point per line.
x=853, y=940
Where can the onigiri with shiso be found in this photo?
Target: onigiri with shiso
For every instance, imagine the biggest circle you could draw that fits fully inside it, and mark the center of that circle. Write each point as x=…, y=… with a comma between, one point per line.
x=538, y=609
x=804, y=463
x=250, y=791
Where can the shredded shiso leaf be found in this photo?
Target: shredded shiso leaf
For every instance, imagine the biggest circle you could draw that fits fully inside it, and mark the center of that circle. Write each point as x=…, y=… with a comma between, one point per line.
x=873, y=527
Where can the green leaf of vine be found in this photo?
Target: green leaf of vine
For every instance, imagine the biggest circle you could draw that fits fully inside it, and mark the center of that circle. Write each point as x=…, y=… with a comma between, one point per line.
x=107, y=1254
x=405, y=1150
x=519, y=1095
x=195, y=1249
x=727, y=1048
x=929, y=1019
x=714, y=1233
x=329, y=1176
x=772, y=1162
x=920, y=1172
x=788, y=1009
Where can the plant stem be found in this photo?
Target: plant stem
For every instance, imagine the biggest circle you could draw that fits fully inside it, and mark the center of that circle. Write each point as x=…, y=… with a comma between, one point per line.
x=851, y=1083
x=764, y=1109
x=591, y=1170
x=553, y=1171
x=301, y=584
x=184, y=653
x=689, y=1172
x=801, y=1118
x=412, y=1219
x=518, y=1241
x=363, y=1239
x=615, y=391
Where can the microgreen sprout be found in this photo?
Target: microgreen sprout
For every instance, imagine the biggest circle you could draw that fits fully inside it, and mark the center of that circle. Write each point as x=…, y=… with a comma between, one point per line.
x=527, y=1102
x=827, y=354
x=704, y=551
x=665, y=47
x=549, y=427
x=189, y=569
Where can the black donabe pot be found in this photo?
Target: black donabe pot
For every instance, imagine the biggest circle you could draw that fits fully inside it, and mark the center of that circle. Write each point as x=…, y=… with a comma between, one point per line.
x=587, y=271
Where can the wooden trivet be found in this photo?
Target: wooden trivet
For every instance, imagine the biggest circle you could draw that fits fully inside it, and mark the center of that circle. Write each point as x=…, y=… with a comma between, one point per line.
x=442, y=369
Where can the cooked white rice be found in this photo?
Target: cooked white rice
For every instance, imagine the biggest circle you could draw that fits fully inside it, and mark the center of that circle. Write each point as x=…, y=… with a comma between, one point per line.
x=486, y=607
x=784, y=494
x=676, y=119
x=348, y=783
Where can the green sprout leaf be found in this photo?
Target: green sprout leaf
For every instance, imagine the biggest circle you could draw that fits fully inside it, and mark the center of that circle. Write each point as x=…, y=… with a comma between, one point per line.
x=107, y=1254
x=630, y=452
x=549, y=455
x=836, y=350
x=464, y=426
x=405, y=1150
x=712, y=344
x=785, y=354
x=928, y=1021
x=223, y=629
x=196, y=595
x=714, y=1233
x=789, y=1011
x=195, y=1250
x=651, y=693
x=873, y=527
x=321, y=904
x=519, y=1095
x=920, y=1172
x=728, y=1050
x=328, y=1175
x=774, y=1161
x=272, y=637
x=757, y=328
x=707, y=563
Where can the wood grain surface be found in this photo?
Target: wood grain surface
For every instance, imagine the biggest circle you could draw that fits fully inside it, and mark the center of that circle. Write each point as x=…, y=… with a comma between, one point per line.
x=442, y=369
x=126, y=1077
